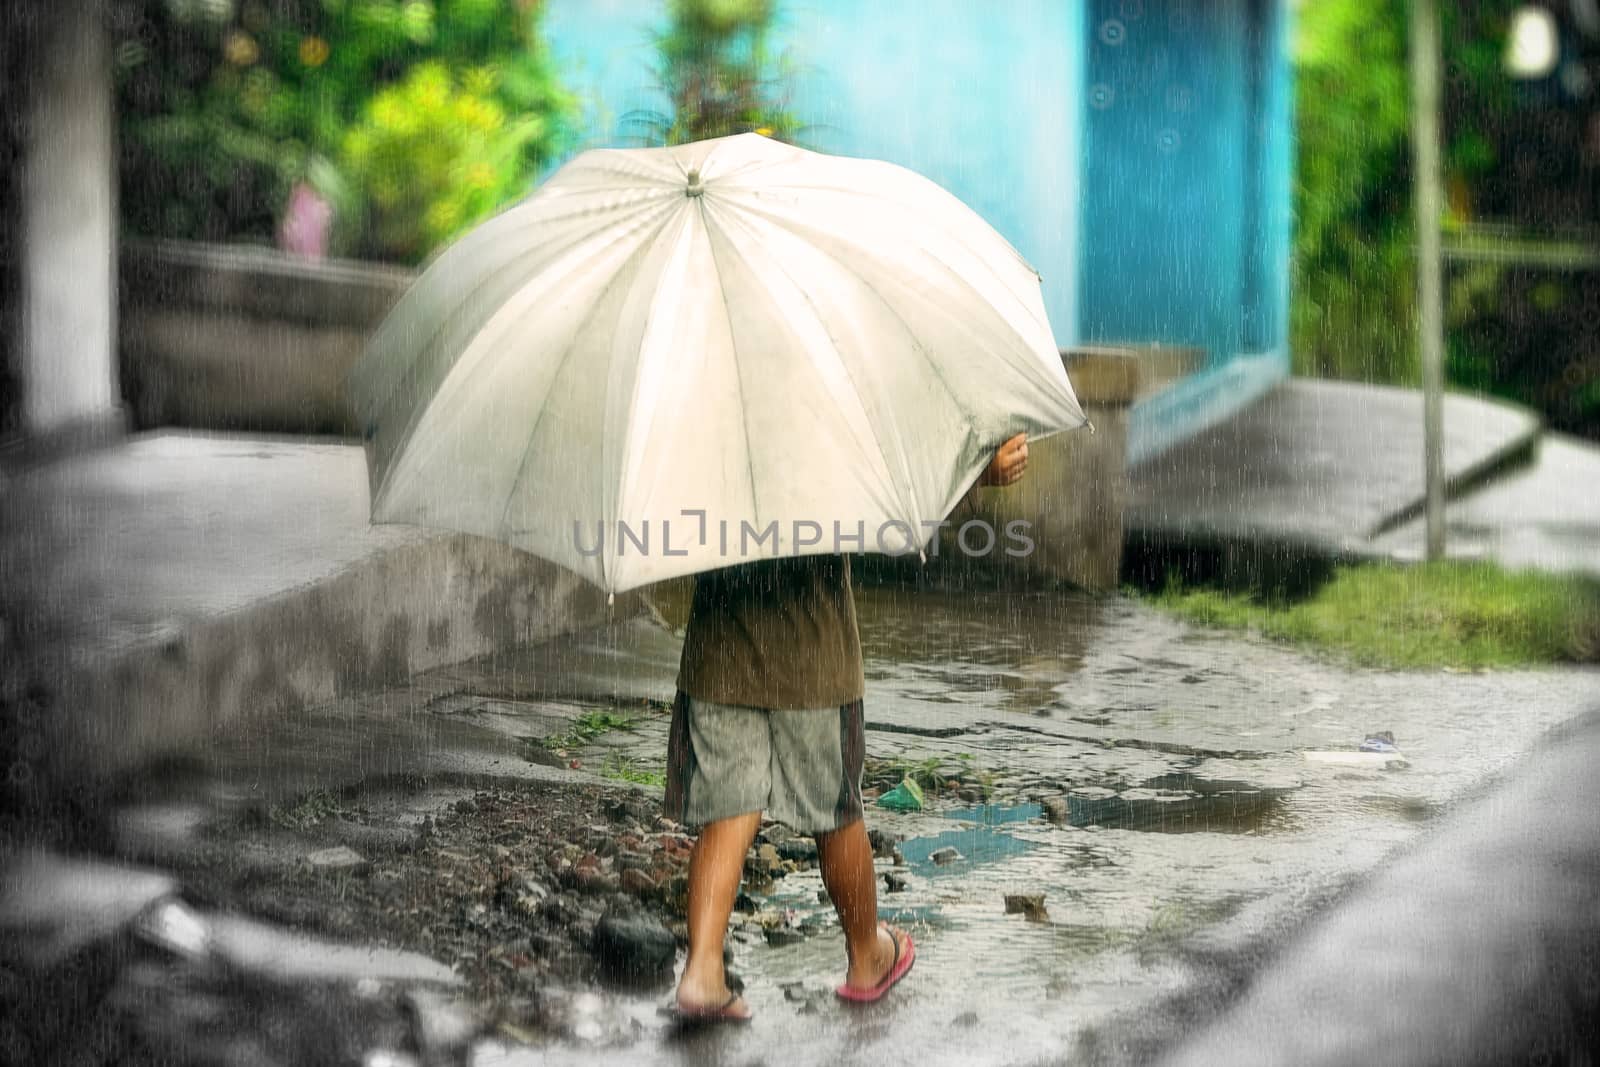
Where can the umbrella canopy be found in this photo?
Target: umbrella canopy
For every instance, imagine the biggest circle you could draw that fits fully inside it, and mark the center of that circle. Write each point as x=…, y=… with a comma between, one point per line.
x=676, y=359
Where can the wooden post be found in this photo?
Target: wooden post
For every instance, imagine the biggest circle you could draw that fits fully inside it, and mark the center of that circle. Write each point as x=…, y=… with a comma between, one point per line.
x=1430, y=306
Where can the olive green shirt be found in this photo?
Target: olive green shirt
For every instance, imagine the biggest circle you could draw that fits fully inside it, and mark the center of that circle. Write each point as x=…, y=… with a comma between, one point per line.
x=774, y=633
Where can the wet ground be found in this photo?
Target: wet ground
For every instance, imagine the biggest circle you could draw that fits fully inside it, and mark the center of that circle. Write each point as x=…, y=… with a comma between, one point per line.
x=1171, y=793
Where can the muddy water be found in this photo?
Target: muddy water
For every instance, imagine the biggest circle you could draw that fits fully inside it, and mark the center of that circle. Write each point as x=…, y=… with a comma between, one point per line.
x=1103, y=705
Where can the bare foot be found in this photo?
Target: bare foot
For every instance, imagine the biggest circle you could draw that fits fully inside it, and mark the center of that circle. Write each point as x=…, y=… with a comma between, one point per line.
x=866, y=973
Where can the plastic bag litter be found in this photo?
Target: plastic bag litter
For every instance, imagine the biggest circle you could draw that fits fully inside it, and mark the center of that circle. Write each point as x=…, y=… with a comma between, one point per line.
x=907, y=796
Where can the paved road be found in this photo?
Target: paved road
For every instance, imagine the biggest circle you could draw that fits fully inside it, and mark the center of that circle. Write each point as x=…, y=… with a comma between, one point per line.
x=1479, y=946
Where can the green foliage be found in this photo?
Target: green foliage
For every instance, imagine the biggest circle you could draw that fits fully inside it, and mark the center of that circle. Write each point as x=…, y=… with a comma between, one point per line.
x=625, y=769
x=1433, y=615
x=715, y=67
x=437, y=153
x=224, y=106
x=309, y=810
x=1354, y=297
x=1354, y=284
x=587, y=727
x=933, y=773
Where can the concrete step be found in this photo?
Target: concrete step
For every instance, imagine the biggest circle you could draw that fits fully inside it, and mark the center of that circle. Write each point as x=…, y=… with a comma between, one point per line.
x=1317, y=469
x=174, y=583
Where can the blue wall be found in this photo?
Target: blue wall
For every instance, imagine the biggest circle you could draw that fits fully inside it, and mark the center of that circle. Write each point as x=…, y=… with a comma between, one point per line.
x=1137, y=152
x=984, y=103
x=1186, y=197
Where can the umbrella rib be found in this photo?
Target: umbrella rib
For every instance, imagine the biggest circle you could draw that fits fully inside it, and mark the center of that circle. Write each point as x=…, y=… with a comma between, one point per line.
x=1032, y=371
x=777, y=218
x=415, y=417
x=872, y=194
x=889, y=306
x=816, y=314
x=566, y=355
x=738, y=369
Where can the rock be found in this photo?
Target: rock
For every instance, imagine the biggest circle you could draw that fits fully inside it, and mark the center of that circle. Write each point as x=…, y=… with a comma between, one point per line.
x=782, y=935
x=882, y=843
x=338, y=860
x=634, y=949
x=633, y=806
x=970, y=795
x=1055, y=809
x=632, y=861
x=1030, y=905
x=896, y=883
x=171, y=925
x=745, y=903
x=769, y=919
x=559, y=911
x=776, y=833
x=442, y=1029
x=762, y=864
x=522, y=895
x=899, y=857
x=676, y=892
x=598, y=881
x=798, y=850
x=824, y=897
x=638, y=882
x=945, y=856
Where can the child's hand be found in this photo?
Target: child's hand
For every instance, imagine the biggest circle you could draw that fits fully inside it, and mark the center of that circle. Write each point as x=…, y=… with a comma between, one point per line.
x=1009, y=461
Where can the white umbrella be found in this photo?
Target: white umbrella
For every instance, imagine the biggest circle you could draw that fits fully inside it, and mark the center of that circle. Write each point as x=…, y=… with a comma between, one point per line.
x=671, y=360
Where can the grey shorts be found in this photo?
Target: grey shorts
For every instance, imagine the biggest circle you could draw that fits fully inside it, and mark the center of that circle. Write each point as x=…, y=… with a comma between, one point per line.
x=801, y=767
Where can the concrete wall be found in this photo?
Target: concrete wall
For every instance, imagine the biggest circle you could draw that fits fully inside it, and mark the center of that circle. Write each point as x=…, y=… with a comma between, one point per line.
x=66, y=367
x=241, y=338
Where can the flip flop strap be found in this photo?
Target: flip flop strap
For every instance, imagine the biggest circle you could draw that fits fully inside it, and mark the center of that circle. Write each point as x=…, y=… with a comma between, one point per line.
x=894, y=963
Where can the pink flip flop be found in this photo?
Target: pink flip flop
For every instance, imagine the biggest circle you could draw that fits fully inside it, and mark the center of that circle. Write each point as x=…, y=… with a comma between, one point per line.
x=897, y=970
x=697, y=1016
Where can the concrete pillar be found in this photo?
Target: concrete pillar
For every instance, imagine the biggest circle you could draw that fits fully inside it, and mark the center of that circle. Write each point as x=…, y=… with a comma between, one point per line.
x=67, y=284
x=1072, y=497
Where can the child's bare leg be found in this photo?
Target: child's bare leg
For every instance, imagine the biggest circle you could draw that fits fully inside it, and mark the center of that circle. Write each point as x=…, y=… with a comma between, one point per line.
x=715, y=867
x=846, y=858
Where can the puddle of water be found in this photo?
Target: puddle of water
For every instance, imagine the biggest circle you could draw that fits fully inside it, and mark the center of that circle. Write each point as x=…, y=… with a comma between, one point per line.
x=990, y=814
x=979, y=844
x=1151, y=810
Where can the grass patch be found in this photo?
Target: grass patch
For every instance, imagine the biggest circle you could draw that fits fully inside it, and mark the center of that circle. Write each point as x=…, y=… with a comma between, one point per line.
x=933, y=774
x=1444, y=614
x=587, y=727
x=305, y=812
x=625, y=769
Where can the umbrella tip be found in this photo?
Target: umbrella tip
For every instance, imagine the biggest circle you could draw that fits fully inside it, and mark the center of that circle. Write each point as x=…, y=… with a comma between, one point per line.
x=611, y=600
x=923, y=554
x=695, y=188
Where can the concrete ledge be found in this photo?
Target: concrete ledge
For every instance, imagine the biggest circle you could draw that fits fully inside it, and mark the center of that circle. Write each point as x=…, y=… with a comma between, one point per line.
x=1315, y=469
x=177, y=585
x=240, y=338
x=1073, y=495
